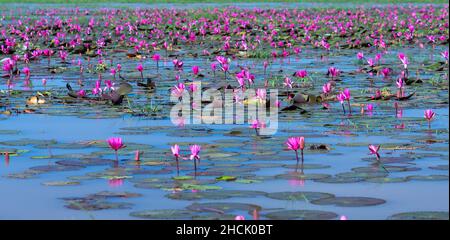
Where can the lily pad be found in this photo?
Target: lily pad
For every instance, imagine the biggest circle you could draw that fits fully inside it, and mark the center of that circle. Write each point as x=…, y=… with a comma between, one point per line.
x=301, y=215
x=213, y=195
x=340, y=180
x=349, y=201
x=428, y=178
x=298, y=196
x=223, y=207
x=163, y=214
x=387, y=180
x=422, y=215
x=61, y=183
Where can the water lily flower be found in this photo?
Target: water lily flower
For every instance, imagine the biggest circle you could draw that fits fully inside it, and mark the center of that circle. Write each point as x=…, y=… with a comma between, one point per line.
x=374, y=150
x=156, y=57
x=360, y=55
x=385, y=72
x=195, y=70
x=333, y=72
x=239, y=217
x=176, y=153
x=429, y=115
x=301, y=74
x=178, y=90
x=81, y=93
x=116, y=144
x=195, y=150
x=296, y=143
x=326, y=88
x=404, y=59
x=287, y=82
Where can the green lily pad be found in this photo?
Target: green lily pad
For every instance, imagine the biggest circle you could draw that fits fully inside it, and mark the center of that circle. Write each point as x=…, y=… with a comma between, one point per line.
x=311, y=176
x=61, y=183
x=213, y=195
x=95, y=205
x=226, y=178
x=340, y=180
x=161, y=214
x=362, y=174
x=301, y=215
x=422, y=215
x=222, y=207
x=298, y=196
x=429, y=178
x=349, y=201
x=387, y=180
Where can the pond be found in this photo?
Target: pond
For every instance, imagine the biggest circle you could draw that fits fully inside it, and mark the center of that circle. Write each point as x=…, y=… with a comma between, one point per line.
x=58, y=165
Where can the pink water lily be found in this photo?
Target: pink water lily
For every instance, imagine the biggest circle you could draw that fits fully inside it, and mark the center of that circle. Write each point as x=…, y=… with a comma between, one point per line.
x=176, y=153
x=429, y=116
x=404, y=59
x=116, y=144
x=326, y=88
x=195, y=70
x=374, y=150
x=195, y=151
x=296, y=143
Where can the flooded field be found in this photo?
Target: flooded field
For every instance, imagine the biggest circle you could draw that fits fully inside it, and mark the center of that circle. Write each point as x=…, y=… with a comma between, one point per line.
x=361, y=130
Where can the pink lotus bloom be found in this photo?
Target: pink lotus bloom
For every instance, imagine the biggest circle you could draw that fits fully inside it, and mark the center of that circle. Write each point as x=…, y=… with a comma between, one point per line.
x=195, y=150
x=287, y=82
x=266, y=64
x=261, y=94
x=239, y=217
x=113, y=71
x=301, y=73
x=213, y=66
x=444, y=54
x=278, y=103
x=429, y=114
x=374, y=150
x=333, y=72
x=96, y=91
x=195, y=70
x=139, y=67
x=98, y=83
x=360, y=55
x=175, y=150
x=109, y=85
x=156, y=57
x=193, y=87
x=369, y=107
x=222, y=60
x=81, y=93
x=26, y=71
x=178, y=90
x=119, y=67
x=326, y=88
x=343, y=218
x=177, y=63
x=385, y=72
x=115, y=143
x=255, y=124
x=44, y=82
x=346, y=93
x=293, y=143
x=371, y=62
x=225, y=67
x=341, y=97
x=404, y=59
x=400, y=83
